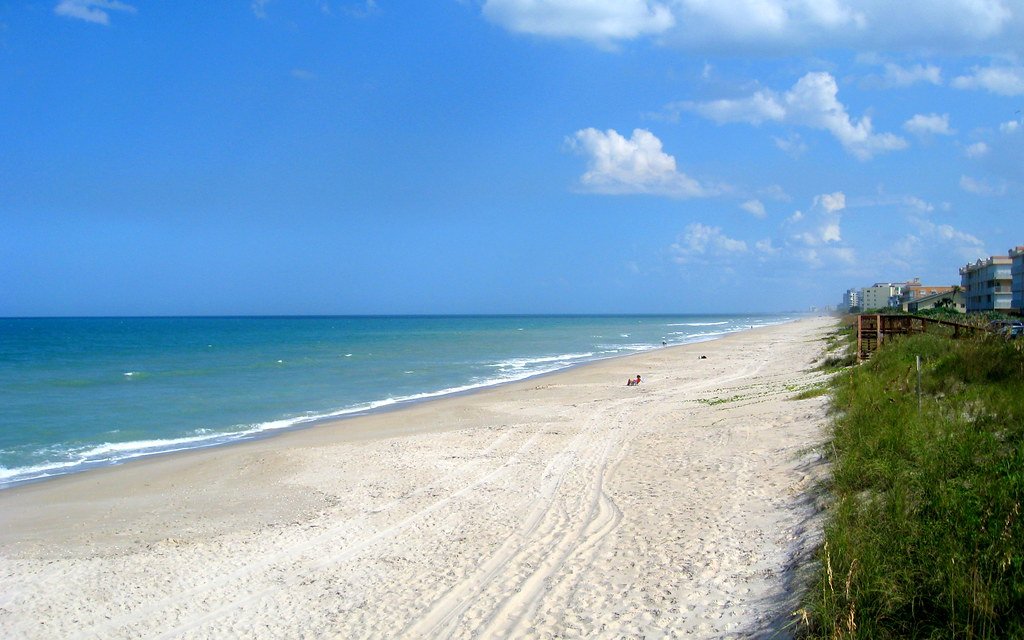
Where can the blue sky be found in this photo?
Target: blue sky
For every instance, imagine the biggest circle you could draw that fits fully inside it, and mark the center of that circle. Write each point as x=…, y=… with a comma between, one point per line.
x=500, y=156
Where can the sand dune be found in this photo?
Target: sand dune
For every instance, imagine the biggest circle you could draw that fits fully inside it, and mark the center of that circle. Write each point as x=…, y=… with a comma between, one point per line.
x=564, y=506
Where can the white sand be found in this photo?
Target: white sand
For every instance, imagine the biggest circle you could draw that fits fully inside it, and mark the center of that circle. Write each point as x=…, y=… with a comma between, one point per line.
x=566, y=506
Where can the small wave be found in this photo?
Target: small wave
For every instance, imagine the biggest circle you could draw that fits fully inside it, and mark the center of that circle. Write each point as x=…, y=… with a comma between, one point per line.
x=524, y=363
x=617, y=349
x=696, y=324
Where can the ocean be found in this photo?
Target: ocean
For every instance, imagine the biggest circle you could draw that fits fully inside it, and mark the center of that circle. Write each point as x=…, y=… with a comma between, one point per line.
x=77, y=393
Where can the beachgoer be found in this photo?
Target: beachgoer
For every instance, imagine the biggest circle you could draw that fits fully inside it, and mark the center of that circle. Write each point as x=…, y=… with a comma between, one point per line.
x=637, y=379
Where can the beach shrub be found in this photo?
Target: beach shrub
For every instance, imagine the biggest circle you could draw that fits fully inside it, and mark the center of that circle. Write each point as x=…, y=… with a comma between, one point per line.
x=925, y=538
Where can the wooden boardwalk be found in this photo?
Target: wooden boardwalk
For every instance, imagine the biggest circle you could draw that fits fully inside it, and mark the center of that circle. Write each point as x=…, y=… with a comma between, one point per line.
x=875, y=328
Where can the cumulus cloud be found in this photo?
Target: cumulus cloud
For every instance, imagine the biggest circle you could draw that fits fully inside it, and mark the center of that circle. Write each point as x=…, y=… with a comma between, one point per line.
x=831, y=202
x=601, y=21
x=95, y=11
x=1001, y=80
x=811, y=102
x=821, y=227
x=981, y=187
x=1009, y=127
x=617, y=165
x=776, y=26
x=700, y=243
x=755, y=208
x=929, y=124
x=760, y=23
x=976, y=150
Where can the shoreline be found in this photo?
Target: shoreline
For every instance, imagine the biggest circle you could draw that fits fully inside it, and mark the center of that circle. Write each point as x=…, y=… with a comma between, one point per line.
x=335, y=416
x=566, y=503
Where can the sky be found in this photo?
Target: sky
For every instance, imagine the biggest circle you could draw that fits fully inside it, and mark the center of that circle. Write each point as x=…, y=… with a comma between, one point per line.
x=500, y=156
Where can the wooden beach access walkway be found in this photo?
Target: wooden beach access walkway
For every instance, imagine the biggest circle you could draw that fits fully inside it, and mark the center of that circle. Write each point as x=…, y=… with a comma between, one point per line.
x=875, y=328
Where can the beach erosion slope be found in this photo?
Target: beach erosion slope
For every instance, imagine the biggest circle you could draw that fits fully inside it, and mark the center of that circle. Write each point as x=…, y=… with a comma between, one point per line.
x=568, y=505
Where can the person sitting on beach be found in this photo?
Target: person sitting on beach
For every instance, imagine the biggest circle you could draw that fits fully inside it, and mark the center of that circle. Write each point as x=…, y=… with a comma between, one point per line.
x=637, y=381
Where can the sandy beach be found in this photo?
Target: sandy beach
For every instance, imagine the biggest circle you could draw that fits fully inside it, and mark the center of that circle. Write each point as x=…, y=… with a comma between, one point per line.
x=568, y=505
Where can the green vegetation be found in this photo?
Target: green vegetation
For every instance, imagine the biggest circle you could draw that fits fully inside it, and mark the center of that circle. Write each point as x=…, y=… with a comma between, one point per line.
x=925, y=535
x=840, y=347
x=811, y=392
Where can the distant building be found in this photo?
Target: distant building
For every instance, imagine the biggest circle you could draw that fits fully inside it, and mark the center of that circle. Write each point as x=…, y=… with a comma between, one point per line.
x=1017, y=280
x=880, y=295
x=952, y=300
x=851, y=300
x=913, y=291
x=986, y=283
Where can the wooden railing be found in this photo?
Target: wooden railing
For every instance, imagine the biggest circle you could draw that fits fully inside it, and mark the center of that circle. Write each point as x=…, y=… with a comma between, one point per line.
x=875, y=328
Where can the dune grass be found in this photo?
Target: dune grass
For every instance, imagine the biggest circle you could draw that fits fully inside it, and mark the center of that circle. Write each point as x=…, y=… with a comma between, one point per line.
x=925, y=537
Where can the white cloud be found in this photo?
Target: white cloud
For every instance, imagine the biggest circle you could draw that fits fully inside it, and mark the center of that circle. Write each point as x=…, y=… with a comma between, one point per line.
x=980, y=187
x=778, y=26
x=917, y=204
x=947, y=239
x=1002, y=80
x=932, y=123
x=766, y=247
x=811, y=102
x=700, y=242
x=758, y=108
x=831, y=202
x=1009, y=127
x=897, y=76
x=822, y=227
x=976, y=150
x=754, y=207
x=601, y=21
x=759, y=23
x=776, y=192
x=872, y=25
x=616, y=165
x=95, y=11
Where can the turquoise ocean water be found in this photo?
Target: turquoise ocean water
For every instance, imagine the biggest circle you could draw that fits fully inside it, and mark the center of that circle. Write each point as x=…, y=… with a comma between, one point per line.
x=77, y=393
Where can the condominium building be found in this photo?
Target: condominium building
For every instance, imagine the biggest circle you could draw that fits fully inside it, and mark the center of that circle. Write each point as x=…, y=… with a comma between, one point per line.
x=987, y=284
x=1017, y=278
x=880, y=295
